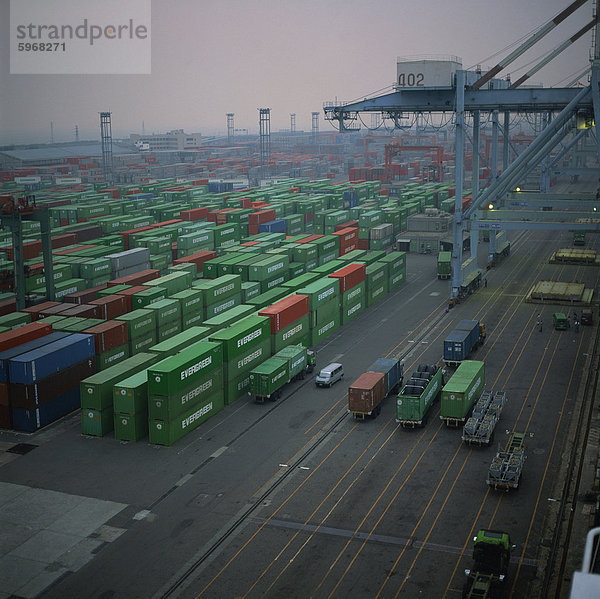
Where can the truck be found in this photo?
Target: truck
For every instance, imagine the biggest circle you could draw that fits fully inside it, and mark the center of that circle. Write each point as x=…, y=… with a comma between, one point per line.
x=444, y=270
x=491, y=559
x=479, y=428
x=467, y=336
x=560, y=321
x=418, y=394
x=461, y=392
x=578, y=237
x=506, y=467
x=268, y=379
x=367, y=392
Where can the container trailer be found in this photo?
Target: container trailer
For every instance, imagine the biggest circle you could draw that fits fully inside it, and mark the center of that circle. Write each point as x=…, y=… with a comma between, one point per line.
x=368, y=391
x=507, y=465
x=461, y=392
x=417, y=396
x=491, y=558
x=467, y=336
x=268, y=379
x=365, y=395
x=479, y=428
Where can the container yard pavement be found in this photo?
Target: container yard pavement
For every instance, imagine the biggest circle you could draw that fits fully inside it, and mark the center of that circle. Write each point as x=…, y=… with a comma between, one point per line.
x=46, y=534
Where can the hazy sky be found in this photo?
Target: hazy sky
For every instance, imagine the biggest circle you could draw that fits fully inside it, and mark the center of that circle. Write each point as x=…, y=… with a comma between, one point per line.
x=210, y=57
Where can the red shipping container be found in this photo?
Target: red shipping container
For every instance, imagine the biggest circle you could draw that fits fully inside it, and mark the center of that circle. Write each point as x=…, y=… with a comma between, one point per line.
x=286, y=311
x=346, y=249
x=137, y=278
x=366, y=392
x=350, y=276
x=8, y=306
x=71, y=250
x=111, y=306
x=31, y=250
x=262, y=216
x=108, y=335
x=363, y=244
x=127, y=293
x=88, y=233
x=82, y=311
x=250, y=243
x=309, y=239
x=37, y=309
x=346, y=225
x=85, y=296
x=198, y=259
x=61, y=241
x=28, y=332
x=194, y=214
x=55, y=310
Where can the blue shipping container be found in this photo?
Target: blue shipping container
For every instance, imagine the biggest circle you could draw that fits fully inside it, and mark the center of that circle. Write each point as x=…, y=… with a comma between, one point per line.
x=273, y=226
x=393, y=370
x=51, y=358
x=8, y=354
x=46, y=413
x=459, y=343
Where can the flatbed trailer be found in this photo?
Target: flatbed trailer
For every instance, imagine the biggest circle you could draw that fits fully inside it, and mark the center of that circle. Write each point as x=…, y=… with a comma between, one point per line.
x=479, y=428
x=507, y=465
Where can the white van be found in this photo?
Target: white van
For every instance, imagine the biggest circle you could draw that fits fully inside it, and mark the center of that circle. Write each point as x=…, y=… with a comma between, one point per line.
x=329, y=375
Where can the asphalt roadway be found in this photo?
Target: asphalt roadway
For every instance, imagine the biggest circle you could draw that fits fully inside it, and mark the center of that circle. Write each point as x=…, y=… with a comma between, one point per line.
x=295, y=499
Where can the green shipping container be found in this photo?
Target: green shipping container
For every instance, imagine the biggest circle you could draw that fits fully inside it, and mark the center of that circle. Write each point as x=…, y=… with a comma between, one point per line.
x=236, y=388
x=246, y=361
x=97, y=390
x=250, y=289
x=185, y=368
x=144, y=298
x=320, y=292
x=167, y=311
x=324, y=329
x=296, y=333
x=168, y=408
x=268, y=378
x=96, y=422
x=353, y=309
x=462, y=391
x=222, y=305
x=130, y=396
x=113, y=356
x=191, y=301
x=164, y=432
x=249, y=332
x=178, y=342
x=130, y=427
x=167, y=331
x=139, y=322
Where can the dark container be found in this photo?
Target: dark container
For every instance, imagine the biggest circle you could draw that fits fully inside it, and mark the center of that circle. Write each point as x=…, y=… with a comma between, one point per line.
x=111, y=306
x=349, y=276
x=28, y=332
x=32, y=420
x=8, y=354
x=108, y=335
x=37, y=364
x=83, y=311
x=37, y=310
x=85, y=296
x=32, y=395
x=137, y=278
x=127, y=293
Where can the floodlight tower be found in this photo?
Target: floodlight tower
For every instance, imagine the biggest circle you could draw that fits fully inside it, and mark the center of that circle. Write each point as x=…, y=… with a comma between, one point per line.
x=265, y=141
x=107, y=155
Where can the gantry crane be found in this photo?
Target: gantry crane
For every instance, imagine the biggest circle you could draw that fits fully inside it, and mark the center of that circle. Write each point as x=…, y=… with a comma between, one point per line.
x=471, y=93
x=13, y=211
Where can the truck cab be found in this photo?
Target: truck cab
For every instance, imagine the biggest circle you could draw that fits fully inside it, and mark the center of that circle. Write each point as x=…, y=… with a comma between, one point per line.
x=491, y=558
x=560, y=321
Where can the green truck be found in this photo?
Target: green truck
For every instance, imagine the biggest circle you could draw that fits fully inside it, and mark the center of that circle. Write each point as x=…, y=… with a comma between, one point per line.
x=444, y=265
x=491, y=558
x=417, y=396
x=461, y=392
x=268, y=379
